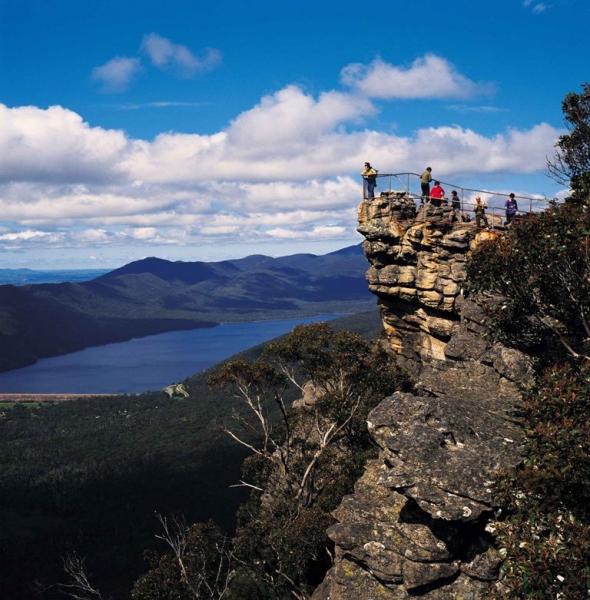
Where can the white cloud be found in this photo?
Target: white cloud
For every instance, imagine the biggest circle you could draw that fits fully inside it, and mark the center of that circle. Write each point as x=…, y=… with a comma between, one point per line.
x=465, y=108
x=309, y=161
x=455, y=149
x=317, y=232
x=537, y=8
x=91, y=236
x=286, y=169
x=164, y=54
x=24, y=235
x=55, y=144
x=144, y=233
x=116, y=74
x=428, y=77
x=290, y=118
x=163, y=104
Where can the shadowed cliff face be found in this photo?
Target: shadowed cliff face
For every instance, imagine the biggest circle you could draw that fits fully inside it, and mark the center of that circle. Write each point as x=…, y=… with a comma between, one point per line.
x=420, y=519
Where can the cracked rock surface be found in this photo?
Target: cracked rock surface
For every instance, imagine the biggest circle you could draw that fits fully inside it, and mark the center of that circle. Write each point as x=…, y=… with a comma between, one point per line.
x=415, y=525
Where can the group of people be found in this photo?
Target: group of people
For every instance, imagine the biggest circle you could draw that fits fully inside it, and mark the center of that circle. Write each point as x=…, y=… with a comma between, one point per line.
x=436, y=196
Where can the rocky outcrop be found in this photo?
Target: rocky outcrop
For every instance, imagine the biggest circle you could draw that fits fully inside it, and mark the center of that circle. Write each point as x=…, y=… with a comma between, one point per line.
x=176, y=390
x=418, y=522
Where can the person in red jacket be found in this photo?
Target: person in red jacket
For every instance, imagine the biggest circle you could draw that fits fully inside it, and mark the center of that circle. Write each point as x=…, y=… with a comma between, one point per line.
x=436, y=194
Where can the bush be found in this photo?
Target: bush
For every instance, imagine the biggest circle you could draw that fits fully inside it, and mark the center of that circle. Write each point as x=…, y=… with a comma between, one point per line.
x=546, y=504
x=538, y=279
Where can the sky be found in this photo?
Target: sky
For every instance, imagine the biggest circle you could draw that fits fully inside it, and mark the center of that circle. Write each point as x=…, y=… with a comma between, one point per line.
x=193, y=130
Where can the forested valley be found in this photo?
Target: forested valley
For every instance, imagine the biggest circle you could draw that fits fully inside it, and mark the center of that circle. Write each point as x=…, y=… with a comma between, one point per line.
x=88, y=478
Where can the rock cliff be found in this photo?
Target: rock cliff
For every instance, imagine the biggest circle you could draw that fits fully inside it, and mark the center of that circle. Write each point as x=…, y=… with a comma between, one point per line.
x=419, y=521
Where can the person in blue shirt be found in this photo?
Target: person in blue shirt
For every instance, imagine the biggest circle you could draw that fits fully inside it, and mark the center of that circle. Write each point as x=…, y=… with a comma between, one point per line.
x=511, y=209
x=455, y=206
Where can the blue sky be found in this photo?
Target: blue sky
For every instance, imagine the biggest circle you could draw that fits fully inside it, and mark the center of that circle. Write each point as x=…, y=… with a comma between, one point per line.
x=202, y=131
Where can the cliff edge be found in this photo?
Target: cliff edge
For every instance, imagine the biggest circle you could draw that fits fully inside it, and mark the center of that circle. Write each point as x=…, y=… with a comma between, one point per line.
x=420, y=520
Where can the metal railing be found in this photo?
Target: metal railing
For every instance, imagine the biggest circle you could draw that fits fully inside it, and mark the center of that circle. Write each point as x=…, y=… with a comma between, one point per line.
x=407, y=179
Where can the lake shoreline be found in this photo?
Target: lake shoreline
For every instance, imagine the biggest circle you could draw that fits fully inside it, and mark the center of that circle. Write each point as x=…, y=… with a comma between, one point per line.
x=145, y=363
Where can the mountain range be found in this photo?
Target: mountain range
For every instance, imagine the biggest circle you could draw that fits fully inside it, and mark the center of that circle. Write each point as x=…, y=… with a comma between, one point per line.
x=153, y=295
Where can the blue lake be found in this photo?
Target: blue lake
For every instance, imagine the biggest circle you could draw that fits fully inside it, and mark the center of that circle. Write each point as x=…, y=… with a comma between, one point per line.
x=143, y=364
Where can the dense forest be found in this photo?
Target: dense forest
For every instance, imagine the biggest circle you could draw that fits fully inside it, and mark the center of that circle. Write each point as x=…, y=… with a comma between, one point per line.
x=87, y=478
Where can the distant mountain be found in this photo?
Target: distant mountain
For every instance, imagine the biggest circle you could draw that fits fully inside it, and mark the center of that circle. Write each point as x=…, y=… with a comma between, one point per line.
x=154, y=295
x=184, y=272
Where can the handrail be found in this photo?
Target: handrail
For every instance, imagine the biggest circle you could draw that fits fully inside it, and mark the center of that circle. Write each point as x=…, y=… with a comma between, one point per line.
x=463, y=189
x=446, y=203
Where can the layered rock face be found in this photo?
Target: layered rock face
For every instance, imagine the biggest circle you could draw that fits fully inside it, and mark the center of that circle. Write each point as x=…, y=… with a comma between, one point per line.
x=419, y=522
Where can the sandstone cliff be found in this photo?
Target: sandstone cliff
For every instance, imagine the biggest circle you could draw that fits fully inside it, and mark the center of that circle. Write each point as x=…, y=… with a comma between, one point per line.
x=419, y=522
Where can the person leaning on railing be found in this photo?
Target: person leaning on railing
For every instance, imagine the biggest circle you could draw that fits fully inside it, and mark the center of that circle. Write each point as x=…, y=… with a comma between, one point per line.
x=480, y=213
x=511, y=209
x=370, y=176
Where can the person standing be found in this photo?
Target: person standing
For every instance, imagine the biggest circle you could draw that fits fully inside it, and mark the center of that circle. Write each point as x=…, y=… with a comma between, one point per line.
x=437, y=193
x=455, y=207
x=425, y=180
x=511, y=207
x=480, y=213
x=370, y=176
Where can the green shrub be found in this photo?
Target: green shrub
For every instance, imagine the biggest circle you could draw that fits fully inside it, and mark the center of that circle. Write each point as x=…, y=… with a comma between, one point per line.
x=546, y=531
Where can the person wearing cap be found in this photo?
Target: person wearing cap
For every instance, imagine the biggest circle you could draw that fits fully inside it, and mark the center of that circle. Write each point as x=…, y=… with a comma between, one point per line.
x=455, y=207
x=370, y=176
x=437, y=193
x=511, y=209
x=425, y=180
x=480, y=213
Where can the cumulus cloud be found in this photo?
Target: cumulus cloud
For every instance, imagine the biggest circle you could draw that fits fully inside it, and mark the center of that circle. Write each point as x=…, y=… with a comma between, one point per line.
x=164, y=54
x=515, y=151
x=428, y=77
x=55, y=144
x=290, y=120
x=116, y=75
x=285, y=170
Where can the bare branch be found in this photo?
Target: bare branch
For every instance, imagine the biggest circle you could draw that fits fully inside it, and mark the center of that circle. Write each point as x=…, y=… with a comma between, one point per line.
x=246, y=484
x=80, y=588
